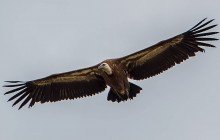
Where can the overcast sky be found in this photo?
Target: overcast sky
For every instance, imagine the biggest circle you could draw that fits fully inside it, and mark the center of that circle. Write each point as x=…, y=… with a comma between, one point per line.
x=43, y=37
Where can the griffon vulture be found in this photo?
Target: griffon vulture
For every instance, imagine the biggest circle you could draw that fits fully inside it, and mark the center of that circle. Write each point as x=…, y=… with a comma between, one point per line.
x=115, y=72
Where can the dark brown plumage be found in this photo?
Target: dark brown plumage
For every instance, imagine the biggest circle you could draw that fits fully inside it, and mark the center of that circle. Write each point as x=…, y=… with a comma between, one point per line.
x=115, y=72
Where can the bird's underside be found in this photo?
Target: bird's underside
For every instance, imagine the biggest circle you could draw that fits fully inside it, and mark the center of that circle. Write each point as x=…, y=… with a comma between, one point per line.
x=115, y=72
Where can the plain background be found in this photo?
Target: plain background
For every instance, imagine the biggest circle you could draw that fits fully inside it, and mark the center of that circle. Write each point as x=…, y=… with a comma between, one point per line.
x=43, y=37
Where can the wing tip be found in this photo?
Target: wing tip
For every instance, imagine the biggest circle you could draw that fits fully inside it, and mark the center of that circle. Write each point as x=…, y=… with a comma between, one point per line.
x=13, y=81
x=201, y=24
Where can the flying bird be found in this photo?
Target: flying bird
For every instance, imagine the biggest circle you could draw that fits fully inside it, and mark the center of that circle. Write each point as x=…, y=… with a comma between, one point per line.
x=115, y=73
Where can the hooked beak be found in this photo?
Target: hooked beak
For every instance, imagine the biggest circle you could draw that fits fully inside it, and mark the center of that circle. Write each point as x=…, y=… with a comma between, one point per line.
x=100, y=67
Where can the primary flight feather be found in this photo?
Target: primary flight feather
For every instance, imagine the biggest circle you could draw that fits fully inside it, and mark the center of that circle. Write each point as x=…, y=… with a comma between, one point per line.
x=115, y=72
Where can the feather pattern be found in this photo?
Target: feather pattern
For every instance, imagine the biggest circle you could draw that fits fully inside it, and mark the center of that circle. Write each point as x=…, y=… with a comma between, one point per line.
x=70, y=85
x=165, y=54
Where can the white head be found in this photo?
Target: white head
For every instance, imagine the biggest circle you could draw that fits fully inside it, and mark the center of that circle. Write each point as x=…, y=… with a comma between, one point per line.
x=106, y=68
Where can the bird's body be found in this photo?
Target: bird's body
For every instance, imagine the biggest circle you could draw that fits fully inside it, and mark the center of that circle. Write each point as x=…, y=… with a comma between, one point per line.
x=115, y=76
x=115, y=73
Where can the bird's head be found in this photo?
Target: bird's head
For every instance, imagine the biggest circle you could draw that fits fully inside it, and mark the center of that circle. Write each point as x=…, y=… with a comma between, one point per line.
x=106, y=68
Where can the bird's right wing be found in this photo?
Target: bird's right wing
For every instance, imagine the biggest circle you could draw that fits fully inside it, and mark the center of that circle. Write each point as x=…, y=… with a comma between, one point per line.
x=63, y=86
x=165, y=54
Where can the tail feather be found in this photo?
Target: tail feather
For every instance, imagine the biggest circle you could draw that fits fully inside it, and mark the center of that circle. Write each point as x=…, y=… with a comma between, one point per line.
x=113, y=96
x=134, y=90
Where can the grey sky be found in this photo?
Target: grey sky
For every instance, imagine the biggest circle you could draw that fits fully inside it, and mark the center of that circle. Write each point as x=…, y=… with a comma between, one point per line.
x=39, y=38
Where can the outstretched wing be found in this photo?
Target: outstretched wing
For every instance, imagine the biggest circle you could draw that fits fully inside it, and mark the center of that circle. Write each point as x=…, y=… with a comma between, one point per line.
x=165, y=54
x=70, y=85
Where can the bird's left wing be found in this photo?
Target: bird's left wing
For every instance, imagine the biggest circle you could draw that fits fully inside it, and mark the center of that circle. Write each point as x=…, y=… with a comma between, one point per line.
x=165, y=54
x=63, y=86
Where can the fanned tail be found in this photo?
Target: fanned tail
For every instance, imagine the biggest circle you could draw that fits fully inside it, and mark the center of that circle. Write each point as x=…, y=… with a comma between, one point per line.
x=113, y=96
